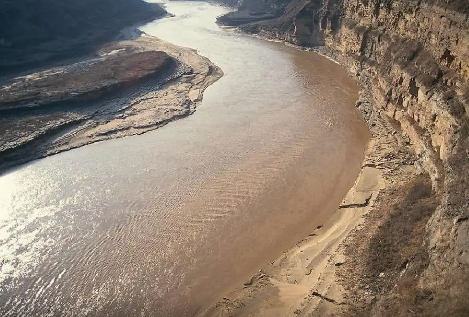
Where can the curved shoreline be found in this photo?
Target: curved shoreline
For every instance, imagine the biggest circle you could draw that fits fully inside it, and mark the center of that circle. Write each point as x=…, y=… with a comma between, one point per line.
x=314, y=276
x=146, y=107
x=407, y=252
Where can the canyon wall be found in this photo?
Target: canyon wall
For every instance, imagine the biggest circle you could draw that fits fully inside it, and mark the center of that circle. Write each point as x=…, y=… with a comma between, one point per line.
x=412, y=58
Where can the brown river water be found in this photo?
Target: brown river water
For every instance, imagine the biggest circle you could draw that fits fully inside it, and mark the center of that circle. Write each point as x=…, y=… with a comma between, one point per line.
x=165, y=223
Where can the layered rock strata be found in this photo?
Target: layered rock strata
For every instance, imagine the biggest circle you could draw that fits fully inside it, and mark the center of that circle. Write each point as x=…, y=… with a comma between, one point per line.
x=412, y=58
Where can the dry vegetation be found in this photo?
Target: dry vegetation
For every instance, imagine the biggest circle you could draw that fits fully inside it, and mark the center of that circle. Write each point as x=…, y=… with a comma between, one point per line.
x=387, y=261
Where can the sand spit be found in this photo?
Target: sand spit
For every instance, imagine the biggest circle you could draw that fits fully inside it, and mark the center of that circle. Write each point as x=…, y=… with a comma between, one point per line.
x=64, y=124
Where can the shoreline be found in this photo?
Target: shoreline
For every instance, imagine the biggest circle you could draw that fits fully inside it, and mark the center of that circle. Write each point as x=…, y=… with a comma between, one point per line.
x=356, y=165
x=316, y=276
x=146, y=107
x=341, y=267
x=409, y=256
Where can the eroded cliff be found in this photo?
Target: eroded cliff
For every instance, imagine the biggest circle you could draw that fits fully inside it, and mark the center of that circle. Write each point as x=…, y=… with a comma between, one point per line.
x=412, y=58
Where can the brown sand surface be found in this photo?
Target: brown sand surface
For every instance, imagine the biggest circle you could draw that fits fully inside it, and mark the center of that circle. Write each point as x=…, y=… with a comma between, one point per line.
x=303, y=280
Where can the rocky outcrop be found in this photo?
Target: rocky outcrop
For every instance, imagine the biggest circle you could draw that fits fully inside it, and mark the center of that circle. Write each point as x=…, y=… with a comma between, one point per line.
x=412, y=58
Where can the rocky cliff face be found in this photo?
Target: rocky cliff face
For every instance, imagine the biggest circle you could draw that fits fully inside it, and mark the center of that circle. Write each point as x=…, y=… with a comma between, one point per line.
x=412, y=58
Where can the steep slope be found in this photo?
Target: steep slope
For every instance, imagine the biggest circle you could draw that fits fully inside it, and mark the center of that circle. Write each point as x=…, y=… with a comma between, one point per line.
x=412, y=58
x=33, y=32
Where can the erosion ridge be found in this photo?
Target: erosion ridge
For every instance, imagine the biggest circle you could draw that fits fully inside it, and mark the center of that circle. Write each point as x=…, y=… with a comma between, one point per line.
x=412, y=59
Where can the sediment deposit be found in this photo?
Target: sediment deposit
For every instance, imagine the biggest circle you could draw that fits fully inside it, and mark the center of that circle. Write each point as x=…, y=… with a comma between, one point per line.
x=409, y=253
x=130, y=87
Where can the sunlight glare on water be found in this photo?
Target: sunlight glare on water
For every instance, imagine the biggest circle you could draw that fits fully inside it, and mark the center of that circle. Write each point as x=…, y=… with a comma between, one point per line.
x=164, y=223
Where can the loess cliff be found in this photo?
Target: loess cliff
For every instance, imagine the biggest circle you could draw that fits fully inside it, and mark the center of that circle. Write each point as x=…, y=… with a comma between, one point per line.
x=412, y=59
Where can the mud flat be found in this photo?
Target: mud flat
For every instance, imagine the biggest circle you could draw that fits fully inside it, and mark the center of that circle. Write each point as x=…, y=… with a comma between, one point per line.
x=132, y=86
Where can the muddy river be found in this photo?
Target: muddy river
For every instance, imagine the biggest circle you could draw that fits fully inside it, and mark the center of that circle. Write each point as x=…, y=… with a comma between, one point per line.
x=165, y=223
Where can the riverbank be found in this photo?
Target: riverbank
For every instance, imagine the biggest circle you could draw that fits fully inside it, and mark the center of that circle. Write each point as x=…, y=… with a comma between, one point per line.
x=340, y=268
x=407, y=252
x=101, y=98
